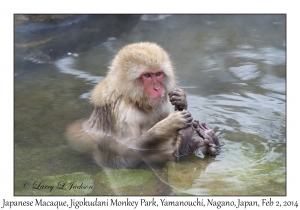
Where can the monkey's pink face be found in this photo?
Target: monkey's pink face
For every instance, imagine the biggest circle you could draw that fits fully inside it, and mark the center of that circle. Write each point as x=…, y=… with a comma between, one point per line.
x=153, y=84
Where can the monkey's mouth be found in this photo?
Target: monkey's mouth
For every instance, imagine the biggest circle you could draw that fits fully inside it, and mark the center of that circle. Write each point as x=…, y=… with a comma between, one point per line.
x=156, y=99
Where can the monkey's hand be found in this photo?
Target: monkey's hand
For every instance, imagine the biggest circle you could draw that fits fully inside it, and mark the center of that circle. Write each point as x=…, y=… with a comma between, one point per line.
x=169, y=126
x=211, y=144
x=178, y=98
x=163, y=135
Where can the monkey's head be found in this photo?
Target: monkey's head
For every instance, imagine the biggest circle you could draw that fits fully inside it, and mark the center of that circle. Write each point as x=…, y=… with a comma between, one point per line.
x=142, y=74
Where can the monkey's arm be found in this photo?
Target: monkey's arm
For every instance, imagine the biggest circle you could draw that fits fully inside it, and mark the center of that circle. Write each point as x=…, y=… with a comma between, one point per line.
x=178, y=98
x=156, y=145
x=161, y=135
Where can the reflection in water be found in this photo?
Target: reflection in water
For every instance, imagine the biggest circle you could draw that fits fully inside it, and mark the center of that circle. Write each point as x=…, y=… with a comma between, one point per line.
x=233, y=70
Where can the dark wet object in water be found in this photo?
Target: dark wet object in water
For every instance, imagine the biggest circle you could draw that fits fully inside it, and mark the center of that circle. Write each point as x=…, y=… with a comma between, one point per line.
x=208, y=143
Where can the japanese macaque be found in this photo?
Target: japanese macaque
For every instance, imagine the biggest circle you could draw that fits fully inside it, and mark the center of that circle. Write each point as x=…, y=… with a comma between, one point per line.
x=132, y=121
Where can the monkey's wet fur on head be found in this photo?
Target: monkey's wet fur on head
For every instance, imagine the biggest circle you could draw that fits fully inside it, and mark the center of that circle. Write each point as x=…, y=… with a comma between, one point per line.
x=133, y=122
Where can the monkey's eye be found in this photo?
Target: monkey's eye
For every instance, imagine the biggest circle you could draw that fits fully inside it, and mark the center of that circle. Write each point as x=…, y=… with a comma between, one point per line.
x=147, y=75
x=158, y=74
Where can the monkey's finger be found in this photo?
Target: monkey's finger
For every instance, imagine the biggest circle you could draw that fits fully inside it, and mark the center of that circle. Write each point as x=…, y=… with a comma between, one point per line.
x=178, y=92
x=173, y=93
x=197, y=121
x=212, y=151
x=177, y=89
x=177, y=108
x=188, y=124
x=189, y=120
x=205, y=126
x=185, y=111
x=212, y=145
x=196, y=124
x=178, y=103
x=216, y=140
x=201, y=133
x=206, y=141
x=186, y=114
x=189, y=116
x=201, y=125
x=174, y=97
